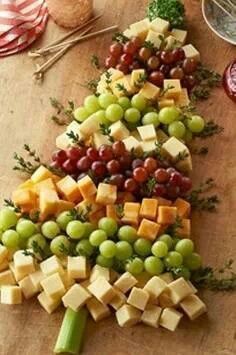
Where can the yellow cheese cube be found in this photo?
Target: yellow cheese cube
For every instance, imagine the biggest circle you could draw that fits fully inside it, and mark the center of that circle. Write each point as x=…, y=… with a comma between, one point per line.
x=159, y=25
x=99, y=139
x=7, y=278
x=63, y=205
x=106, y=194
x=3, y=253
x=67, y=280
x=97, y=309
x=180, y=35
x=170, y=319
x=63, y=141
x=85, y=285
x=48, y=303
x=167, y=277
x=75, y=297
x=183, y=99
x=127, y=316
x=171, y=43
x=45, y=184
x=174, y=147
x=142, y=279
x=191, y=52
x=69, y=189
x=23, y=263
x=51, y=266
x=53, y=286
x=149, y=208
x=90, y=126
x=36, y=278
x=87, y=187
x=111, y=212
x=122, y=87
x=192, y=286
x=138, y=298
x=155, y=38
x=11, y=295
x=119, y=131
x=147, y=132
x=131, y=213
x=4, y=265
x=148, y=146
x=140, y=28
x=28, y=184
x=179, y=289
x=172, y=88
x=166, y=215
x=102, y=290
x=185, y=230
x=41, y=174
x=77, y=267
x=155, y=286
x=48, y=200
x=27, y=287
x=137, y=78
x=26, y=199
x=119, y=300
x=166, y=103
x=193, y=306
x=148, y=229
x=88, y=206
x=17, y=275
x=165, y=299
x=183, y=207
x=113, y=276
x=99, y=271
x=125, y=282
x=150, y=91
x=113, y=74
x=131, y=143
x=151, y=316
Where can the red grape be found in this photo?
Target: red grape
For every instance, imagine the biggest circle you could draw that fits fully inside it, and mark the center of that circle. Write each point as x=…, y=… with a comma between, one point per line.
x=150, y=164
x=117, y=180
x=99, y=168
x=157, y=78
x=69, y=166
x=188, y=82
x=186, y=184
x=92, y=153
x=189, y=65
x=162, y=176
x=175, y=179
x=59, y=156
x=105, y=152
x=130, y=48
x=145, y=54
x=134, y=65
x=171, y=170
x=116, y=49
x=118, y=148
x=140, y=174
x=84, y=164
x=130, y=185
x=177, y=73
x=55, y=165
x=113, y=166
x=165, y=69
x=136, y=163
x=126, y=59
x=137, y=41
x=153, y=62
x=167, y=57
x=125, y=161
x=129, y=173
x=110, y=62
x=178, y=54
x=122, y=67
x=73, y=153
x=159, y=190
x=173, y=191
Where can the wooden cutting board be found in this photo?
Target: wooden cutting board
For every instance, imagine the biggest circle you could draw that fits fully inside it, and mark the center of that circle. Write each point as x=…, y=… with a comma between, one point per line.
x=25, y=118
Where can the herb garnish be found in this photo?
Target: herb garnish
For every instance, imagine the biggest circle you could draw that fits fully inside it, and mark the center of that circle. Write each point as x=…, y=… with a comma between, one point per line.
x=149, y=186
x=91, y=85
x=37, y=250
x=200, y=151
x=80, y=215
x=207, y=203
x=164, y=91
x=141, y=80
x=206, y=80
x=211, y=128
x=26, y=166
x=148, y=44
x=120, y=210
x=173, y=228
x=182, y=156
x=170, y=10
x=75, y=138
x=95, y=61
x=10, y=203
x=120, y=37
x=64, y=115
x=106, y=131
x=122, y=88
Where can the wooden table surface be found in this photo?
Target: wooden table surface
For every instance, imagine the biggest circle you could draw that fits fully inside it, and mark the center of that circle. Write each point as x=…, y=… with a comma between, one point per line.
x=25, y=118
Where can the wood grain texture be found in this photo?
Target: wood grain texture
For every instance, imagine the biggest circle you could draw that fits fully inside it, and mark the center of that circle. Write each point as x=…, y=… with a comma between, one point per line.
x=24, y=118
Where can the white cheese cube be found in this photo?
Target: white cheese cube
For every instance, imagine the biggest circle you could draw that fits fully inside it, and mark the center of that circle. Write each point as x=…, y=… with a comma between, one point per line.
x=7, y=278
x=75, y=297
x=48, y=303
x=136, y=135
x=118, y=300
x=155, y=38
x=151, y=316
x=77, y=267
x=97, y=309
x=191, y=52
x=167, y=277
x=174, y=147
x=24, y=264
x=179, y=289
x=122, y=87
x=85, y=285
x=165, y=299
x=102, y=290
x=140, y=28
x=127, y=316
x=193, y=306
x=53, y=286
x=147, y=132
x=138, y=298
x=166, y=103
x=125, y=282
x=119, y=131
x=63, y=141
x=11, y=295
x=183, y=99
x=51, y=266
x=170, y=319
x=148, y=146
x=27, y=287
x=150, y=91
x=106, y=194
x=159, y=25
x=102, y=87
x=90, y=125
x=155, y=286
x=137, y=77
x=17, y=275
x=3, y=253
x=172, y=88
x=185, y=165
x=4, y=265
x=99, y=271
x=131, y=143
x=171, y=43
x=36, y=278
x=113, y=74
x=129, y=33
x=180, y=35
x=99, y=139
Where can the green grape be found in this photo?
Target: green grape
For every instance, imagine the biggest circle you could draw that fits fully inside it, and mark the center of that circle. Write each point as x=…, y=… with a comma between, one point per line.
x=123, y=250
x=168, y=115
x=151, y=118
x=91, y=104
x=37, y=238
x=177, y=129
x=160, y=249
x=153, y=265
x=196, y=124
x=104, y=262
x=107, y=99
x=80, y=114
x=188, y=137
x=132, y=115
x=134, y=266
x=60, y=245
x=166, y=238
x=124, y=102
x=75, y=229
x=1, y=233
x=193, y=261
x=8, y=219
x=109, y=225
x=185, y=247
x=139, y=102
x=150, y=109
x=128, y=234
x=89, y=228
x=97, y=237
x=174, y=259
x=26, y=229
x=11, y=239
x=84, y=248
x=101, y=117
x=182, y=271
x=108, y=249
x=63, y=219
x=47, y=251
x=50, y=229
x=142, y=247
x=114, y=113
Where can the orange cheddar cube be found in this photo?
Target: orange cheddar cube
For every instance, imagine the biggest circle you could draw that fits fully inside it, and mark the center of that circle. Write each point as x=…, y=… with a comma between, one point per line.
x=48, y=201
x=28, y=184
x=185, y=230
x=111, y=212
x=25, y=198
x=131, y=213
x=41, y=174
x=88, y=205
x=149, y=208
x=163, y=202
x=96, y=216
x=166, y=215
x=69, y=189
x=45, y=184
x=148, y=229
x=64, y=206
x=106, y=194
x=183, y=207
x=162, y=229
x=87, y=187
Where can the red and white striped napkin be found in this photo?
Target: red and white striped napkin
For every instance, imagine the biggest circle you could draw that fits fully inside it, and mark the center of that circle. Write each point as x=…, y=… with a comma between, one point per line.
x=21, y=23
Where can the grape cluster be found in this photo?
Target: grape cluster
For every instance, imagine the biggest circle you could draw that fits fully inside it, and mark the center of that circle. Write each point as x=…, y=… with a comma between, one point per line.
x=159, y=64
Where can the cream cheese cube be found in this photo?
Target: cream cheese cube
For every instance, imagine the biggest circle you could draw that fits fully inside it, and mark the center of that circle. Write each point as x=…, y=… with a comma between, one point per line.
x=137, y=77
x=151, y=316
x=27, y=287
x=150, y=91
x=172, y=88
x=97, y=309
x=99, y=139
x=24, y=264
x=11, y=295
x=77, y=267
x=102, y=290
x=167, y=277
x=48, y=303
x=171, y=43
x=36, y=278
x=125, y=282
x=99, y=271
x=3, y=253
x=127, y=316
x=155, y=286
x=90, y=126
x=170, y=319
x=106, y=194
x=131, y=143
x=138, y=298
x=53, y=286
x=7, y=278
x=148, y=146
x=118, y=300
x=179, y=289
x=119, y=131
x=75, y=297
x=160, y=25
x=140, y=28
x=51, y=266
x=147, y=132
x=180, y=35
x=193, y=306
x=155, y=38
x=191, y=52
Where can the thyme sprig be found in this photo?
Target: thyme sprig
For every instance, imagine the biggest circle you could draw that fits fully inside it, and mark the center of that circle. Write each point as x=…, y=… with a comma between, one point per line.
x=120, y=37
x=122, y=88
x=149, y=44
x=173, y=228
x=203, y=151
x=106, y=131
x=95, y=61
x=120, y=210
x=64, y=115
x=149, y=186
x=203, y=203
x=182, y=156
x=37, y=250
x=206, y=79
x=141, y=80
x=211, y=128
x=80, y=215
x=75, y=139
x=10, y=203
x=91, y=85
x=26, y=166
x=164, y=91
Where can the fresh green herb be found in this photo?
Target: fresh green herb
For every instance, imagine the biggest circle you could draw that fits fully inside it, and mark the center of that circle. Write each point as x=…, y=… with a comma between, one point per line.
x=63, y=249
x=170, y=10
x=164, y=91
x=182, y=156
x=106, y=131
x=74, y=137
x=95, y=61
x=149, y=186
x=91, y=85
x=32, y=153
x=122, y=88
x=120, y=37
x=157, y=152
x=37, y=250
x=148, y=44
x=64, y=115
x=141, y=80
x=200, y=151
x=120, y=210
x=211, y=128
x=108, y=77
x=81, y=215
x=203, y=203
x=206, y=80
x=173, y=228
x=10, y=203
x=23, y=165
